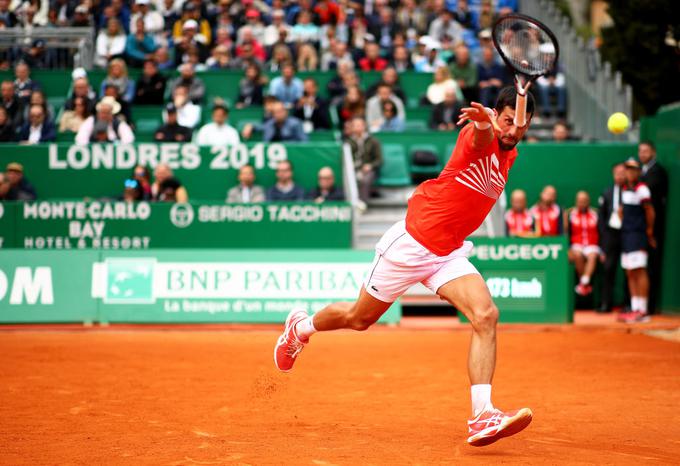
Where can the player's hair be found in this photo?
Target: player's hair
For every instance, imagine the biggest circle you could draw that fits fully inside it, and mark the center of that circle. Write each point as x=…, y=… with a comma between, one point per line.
x=649, y=143
x=507, y=97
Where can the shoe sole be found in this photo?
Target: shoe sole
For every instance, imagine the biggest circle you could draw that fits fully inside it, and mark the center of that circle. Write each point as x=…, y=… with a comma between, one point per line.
x=512, y=426
x=285, y=332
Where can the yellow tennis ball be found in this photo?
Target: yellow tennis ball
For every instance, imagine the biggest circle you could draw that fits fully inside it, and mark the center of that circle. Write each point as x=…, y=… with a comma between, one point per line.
x=618, y=123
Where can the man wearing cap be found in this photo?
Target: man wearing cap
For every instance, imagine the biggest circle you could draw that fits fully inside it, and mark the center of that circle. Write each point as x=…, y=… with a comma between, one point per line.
x=14, y=186
x=637, y=234
x=154, y=23
x=81, y=17
x=218, y=132
x=36, y=56
x=39, y=128
x=190, y=40
x=254, y=24
x=203, y=30
x=187, y=78
x=116, y=130
x=172, y=131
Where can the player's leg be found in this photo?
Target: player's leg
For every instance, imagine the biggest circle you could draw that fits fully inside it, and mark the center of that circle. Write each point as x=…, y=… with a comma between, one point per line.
x=590, y=265
x=359, y=315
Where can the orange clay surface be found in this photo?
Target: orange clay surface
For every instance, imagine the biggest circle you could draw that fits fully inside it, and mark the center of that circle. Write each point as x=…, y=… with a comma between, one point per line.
x=385, y=397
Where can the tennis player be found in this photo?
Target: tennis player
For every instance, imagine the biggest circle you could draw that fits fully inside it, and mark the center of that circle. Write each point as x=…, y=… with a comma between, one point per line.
x=430, y=247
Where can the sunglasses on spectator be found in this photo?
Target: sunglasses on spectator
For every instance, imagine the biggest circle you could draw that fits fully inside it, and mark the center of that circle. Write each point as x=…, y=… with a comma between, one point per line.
x=131, y=184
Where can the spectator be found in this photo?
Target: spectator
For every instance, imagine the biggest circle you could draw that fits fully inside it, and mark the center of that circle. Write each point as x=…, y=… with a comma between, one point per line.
x=285, y=188
x=547, y=214
x=190, y=40
x=389, y=120
x=7, y=130
x=154, y=24
x=14, y=186
x=82, y=89
x=337, y=53
x=23, y=84
x=7, y=16
x=281, y=127
x=352, y=105
x=553, y=85
x=464, y=71
x=518, y=220
x=218, y=132
x=560, y=132
x=38, y=98
x=249, y=47
x=656, y=179
x=188, y=113
x=251, y=88
x=71, y=120
x=342, y=81
x=609, y=223
x=254, y=24
x=11, y=103
x=374, y=106
x=124, y=114
x=327, y=12
x=389, y=77
x=132, y=191
x=150, y=87
x=637, y=235
x=272, y=32
x=411, y=17
x=38, y=129
x=221, y=59
x=170, y=10
x=105, y=121
x=486, y=16
x=287, y=87
x=166, y=187
x=172, y=131
x=37, y=56
x=281, y=55
x=118, y=76
x=111, y=43
x=367, y=155
x=246, y=191
x=442, y=83
x=142, y=175
x=162, y=57
x=445, y=114
x=81, y=17
x=305, y=30
x=430, y=60
x=492, y=77
x=311, y=109
x=326, y=190
x=584, y=239
x=116, y=9
x=445, y=25
x=307, y=58
x=140, y=46
x=401, y=60
x=187, y=78
x=372, y=60
x=384, y=28
x=463, y=15
x=192, y=13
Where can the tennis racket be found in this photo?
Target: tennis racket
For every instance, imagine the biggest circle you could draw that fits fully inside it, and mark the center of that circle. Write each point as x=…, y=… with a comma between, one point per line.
x=529, y=49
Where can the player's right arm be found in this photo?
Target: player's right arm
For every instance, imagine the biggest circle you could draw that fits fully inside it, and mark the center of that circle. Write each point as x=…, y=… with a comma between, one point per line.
x=484, y=122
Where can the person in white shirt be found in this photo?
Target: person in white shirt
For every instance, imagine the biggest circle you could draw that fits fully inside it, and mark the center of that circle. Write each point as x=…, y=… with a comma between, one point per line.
x=188, y=113
x=218, y=132
x=153, y=21
x=272, y=32
x=116, y=130
x=110, y=43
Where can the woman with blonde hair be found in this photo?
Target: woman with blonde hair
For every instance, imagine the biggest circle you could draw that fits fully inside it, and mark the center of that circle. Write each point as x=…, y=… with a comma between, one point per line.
x=110, y=43
x=308, y=59
x=280, y=56
x=118, y=76
x=442, y=82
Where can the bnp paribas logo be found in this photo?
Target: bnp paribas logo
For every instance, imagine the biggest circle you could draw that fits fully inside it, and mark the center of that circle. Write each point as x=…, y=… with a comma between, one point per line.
x=182, y=215
x=129, y=281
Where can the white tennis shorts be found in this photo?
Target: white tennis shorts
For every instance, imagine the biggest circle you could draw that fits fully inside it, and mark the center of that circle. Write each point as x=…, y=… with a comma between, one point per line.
x=401, y=262
x=586, y=250
x=634, y=260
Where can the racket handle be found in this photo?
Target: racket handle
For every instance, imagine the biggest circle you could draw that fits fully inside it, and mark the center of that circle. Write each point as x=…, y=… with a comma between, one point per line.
x=520, y=110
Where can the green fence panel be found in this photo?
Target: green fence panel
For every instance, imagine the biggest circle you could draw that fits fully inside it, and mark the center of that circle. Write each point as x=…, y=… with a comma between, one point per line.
x=61, y=171
x=8, y=224
x=143, y=225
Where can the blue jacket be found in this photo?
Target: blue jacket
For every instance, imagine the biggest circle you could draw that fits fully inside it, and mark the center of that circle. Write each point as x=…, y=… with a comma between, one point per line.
x=291, y=130
x=139, y=50
x=48, y=133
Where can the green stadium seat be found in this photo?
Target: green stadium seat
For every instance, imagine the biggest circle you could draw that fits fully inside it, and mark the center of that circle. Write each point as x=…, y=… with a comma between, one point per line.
x=147, y=118
x=394, y=170
x=66, y=136
x=415, y=125
x=420, y=169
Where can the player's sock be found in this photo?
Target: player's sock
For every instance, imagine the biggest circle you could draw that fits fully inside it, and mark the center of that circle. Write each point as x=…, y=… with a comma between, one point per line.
x=481, y=398
x=642, y=304
x=305, y=328
x=585, y=280
x=634, y=306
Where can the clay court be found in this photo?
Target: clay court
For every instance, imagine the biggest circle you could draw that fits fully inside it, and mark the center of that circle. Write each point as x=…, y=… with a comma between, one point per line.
x=391, y=396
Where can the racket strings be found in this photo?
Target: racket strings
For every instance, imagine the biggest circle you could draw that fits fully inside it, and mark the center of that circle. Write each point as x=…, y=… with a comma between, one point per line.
x=530, y=49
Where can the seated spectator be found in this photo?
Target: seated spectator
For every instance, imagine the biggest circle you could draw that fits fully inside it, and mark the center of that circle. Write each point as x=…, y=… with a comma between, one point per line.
x=246, y=191
x=326, y=190
x=250, y=88
x=337, y=86
x=188, y=42
x=38, y=129
x=518, y=220
x=11, y=104
x=162, y=57
x=116, y=9
x=125, y=113
x=38, y=98
x=132, y=191
x=154, y=23
x=171, y=130
x=142, y=175
x=401, y=59
x=139, y=46
x=327, y=12
x=281, y=127
x=218, y=132
x=412, y=17
x=464, y=71
x=367, y=155
x=118, y=76
x=389, y=121
x=278, y=24
x=82, y=18
x=191, y=12
x=547, y=214
x=442, y=83
x=23, y=84
x=107, y=122
x=187, y=78
x=82, y=89
x=372, y=60
x=463, y=15
x=374, y=106
x=166, y=187
x=311, y=109
x=389, y=77
x=305, y=30
x=150, y=87
x=287, y=88
x=553, y=85
x=560, y=132
x=584, y=251
x=170, y=10
x=110, y=44
x=72, y=119
x=254, y=24
x=281, y=55
x=383, y=28
x=444, y=115
x=430, y=60
x=188, y=113
x=486, y=17
x=285, y=188
x=446, y=25
x=249, y=47
x=221, y=59
x=7, y=15
x=492, y=77
x=307, y=58
x=352, y=105
x=14, y=186
x=337, y=53
x=7, y=130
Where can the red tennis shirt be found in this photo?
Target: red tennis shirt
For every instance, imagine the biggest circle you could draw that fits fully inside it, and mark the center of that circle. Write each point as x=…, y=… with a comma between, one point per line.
x=444, y=211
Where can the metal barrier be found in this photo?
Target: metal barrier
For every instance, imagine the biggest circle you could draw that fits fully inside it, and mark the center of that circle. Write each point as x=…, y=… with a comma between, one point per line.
x=65, y=47
x=594, y=91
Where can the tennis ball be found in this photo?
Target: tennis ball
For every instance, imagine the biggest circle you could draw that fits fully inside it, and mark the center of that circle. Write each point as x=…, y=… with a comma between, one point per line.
x=618, y=123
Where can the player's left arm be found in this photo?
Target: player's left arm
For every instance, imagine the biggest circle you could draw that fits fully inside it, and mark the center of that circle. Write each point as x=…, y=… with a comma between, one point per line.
x=485, y=124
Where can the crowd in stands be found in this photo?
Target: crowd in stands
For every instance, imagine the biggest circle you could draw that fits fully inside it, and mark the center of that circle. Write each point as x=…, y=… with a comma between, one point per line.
x=448, y=38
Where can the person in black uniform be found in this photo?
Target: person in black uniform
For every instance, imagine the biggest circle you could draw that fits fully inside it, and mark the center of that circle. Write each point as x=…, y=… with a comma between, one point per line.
x=656, y=179
x=609, y=225
x=172, y=131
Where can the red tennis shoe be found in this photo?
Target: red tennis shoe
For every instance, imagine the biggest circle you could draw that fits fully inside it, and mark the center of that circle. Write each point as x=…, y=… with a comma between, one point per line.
x=493, y=425
x=289, y=345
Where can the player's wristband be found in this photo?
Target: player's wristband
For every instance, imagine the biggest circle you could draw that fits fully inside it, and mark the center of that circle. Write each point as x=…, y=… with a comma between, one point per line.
x=482, y=125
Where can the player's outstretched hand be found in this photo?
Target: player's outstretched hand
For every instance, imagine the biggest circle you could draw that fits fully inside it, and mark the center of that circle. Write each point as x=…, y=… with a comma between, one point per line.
x=476, y=112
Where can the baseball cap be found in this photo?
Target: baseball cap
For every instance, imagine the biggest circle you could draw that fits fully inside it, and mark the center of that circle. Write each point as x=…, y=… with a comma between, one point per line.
x=15, y=167
x=631, y=163
x=252, y=13
x=82, y=9
x=220, y=104
x=485, y=34
x=38, y=43
x=171, y=108
x=190, y=24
